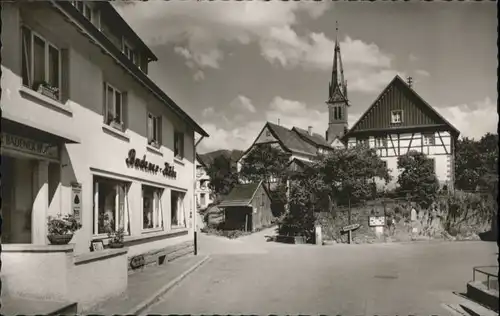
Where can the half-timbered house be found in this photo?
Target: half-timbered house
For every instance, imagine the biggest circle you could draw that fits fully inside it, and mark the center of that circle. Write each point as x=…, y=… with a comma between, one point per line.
x=398, y=121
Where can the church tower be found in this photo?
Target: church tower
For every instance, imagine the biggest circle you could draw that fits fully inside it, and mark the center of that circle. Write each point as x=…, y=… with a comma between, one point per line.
x=337, y=97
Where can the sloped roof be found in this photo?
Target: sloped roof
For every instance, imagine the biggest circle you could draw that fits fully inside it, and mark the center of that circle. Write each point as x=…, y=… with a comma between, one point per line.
x=314, y=138
x=290, y=140
x=241, y=195
x=400, y=85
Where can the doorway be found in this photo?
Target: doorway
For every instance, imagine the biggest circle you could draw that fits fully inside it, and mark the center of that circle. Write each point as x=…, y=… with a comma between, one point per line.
x=17, y=199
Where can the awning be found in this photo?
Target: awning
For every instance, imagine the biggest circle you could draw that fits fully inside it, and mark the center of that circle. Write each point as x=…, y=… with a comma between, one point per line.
x=30, y=128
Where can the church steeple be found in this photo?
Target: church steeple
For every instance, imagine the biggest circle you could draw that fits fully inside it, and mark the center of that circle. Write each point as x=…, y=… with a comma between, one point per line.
x=337, y=83
x=337, y=96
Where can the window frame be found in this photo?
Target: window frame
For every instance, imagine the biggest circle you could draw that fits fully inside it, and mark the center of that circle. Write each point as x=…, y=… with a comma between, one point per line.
x=158, y=220
x=179, y=209
x=179, y=136
x=106, y=109
x=152, y=141
x=400, y=116
x=126, y=220
x=46, y=67
x=380, y=139
x=429, y=139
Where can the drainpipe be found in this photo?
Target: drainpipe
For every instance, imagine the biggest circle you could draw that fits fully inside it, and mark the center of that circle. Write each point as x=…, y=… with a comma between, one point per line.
x=194, y=199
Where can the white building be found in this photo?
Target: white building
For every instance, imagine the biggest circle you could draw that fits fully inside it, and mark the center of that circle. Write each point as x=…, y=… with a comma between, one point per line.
x=399, y=121
x=204, y=195
x=107, y=142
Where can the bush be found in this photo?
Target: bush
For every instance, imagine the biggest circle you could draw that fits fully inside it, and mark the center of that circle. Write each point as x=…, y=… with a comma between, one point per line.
x=231, y=234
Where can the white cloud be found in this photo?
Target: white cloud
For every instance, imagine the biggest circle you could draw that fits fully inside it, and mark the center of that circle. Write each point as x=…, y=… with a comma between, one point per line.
x=465, y=117
x=198, y=29
x=240, y=134
x=422, y=73
x=199, y=76
x=412, y=58
x=243, y=103
x=208, y=112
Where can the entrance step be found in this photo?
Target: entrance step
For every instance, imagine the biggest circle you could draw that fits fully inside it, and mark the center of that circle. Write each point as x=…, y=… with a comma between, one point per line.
x=484, y=294
x=25, y=306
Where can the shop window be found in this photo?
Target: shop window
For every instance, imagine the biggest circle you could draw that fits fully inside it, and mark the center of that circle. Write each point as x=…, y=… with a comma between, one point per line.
x=111, y=208
x=41, y=64
x=176, y=208
x=154, y=130
x=113, y=107
x=152, y=215
x=179, y=145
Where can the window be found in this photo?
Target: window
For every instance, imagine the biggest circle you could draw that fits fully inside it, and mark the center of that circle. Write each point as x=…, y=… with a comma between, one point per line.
x=432, y=164
x=154, y=128
x=110, y=205
x=362, y=142
x=202, y=199
x=176, y=208
x=179, y=145
x=130, y=53
x=381, y=142
x=396, y=116
x=84, y=8
x=152, y=216
x=41, y=63
x=429, y=138
x=268, y=134
x=113, y=107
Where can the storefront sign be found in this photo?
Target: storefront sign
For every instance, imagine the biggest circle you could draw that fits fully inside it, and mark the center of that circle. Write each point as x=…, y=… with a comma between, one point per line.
x=30, y=146
x=76, y=201
x=375, y=221
x=144, y=165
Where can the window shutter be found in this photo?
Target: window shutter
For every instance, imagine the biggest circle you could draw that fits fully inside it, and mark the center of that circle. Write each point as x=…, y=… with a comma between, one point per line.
x=65, y=78
x=125, y=116
x=150, y=127
x=104, y=106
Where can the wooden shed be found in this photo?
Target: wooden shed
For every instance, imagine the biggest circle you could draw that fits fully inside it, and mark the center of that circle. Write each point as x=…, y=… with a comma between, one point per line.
x=247, y=207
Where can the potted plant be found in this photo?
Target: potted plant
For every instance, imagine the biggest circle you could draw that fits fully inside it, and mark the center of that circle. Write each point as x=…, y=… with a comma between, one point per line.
x=46, y=89
x=61, y=229
x=116, y=238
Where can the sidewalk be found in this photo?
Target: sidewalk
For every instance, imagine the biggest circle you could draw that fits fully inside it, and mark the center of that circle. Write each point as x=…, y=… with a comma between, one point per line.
x=146, y=286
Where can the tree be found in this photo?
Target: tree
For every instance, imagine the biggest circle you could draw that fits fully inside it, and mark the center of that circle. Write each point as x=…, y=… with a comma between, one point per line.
x=265, y=163
x=349, y=174
x=417, y=178
x=222, y=177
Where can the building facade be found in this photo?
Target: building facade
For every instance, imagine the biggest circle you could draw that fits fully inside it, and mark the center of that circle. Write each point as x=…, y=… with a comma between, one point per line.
x=204, y=195
x=86, y=132
x=399, y=121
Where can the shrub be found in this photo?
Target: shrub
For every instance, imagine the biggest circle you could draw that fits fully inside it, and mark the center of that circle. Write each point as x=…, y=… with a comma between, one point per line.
x=63, y=225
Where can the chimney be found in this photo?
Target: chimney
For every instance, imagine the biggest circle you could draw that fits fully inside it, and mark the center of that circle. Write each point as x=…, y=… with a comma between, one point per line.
x=278, y=121
x=310, y=130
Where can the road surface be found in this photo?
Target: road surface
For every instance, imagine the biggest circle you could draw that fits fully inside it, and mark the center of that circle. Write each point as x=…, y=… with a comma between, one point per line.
x=250, y=276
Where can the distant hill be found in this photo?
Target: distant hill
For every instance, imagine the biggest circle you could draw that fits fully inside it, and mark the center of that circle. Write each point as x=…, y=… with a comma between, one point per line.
x=231, y=155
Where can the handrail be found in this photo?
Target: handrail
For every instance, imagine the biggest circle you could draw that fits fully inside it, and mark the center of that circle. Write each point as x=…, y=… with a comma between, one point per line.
x=488, y=274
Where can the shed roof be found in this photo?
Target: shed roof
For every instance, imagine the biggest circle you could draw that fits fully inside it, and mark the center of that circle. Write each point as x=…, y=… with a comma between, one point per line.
x=241, y=195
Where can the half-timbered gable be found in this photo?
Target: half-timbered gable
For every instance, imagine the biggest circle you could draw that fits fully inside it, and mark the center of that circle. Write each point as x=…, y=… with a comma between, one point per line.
x=400, y=121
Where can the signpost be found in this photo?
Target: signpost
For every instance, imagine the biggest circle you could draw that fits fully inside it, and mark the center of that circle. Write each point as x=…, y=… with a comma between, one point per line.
x=349, y=229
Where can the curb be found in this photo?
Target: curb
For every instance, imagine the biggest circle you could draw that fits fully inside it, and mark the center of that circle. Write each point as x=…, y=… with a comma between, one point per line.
x=153, y=298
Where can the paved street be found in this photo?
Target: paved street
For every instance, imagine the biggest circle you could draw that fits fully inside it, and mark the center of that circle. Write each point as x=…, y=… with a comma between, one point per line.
x=254, y=277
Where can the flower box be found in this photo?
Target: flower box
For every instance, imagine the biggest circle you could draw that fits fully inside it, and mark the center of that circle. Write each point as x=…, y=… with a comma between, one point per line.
x=47, y=90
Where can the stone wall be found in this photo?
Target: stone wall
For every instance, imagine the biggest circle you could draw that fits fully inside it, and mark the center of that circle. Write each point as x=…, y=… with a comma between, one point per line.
x=159, y=256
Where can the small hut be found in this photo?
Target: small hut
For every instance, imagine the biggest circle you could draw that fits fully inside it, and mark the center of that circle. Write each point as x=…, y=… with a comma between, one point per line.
x=247, y=207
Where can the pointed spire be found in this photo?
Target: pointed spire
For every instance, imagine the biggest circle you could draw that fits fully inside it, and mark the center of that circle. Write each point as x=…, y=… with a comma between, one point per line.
x=337, y=69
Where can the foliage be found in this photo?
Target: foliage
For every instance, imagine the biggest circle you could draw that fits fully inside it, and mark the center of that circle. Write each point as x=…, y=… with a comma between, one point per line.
x=116, y=237
x=63, y=225
x=468, y=209
x=417, y=178
x=476, y=163
x=222, y=176
x=265, y=163
x=349, y=174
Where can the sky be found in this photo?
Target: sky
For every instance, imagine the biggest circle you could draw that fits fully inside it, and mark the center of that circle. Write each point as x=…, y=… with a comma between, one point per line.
x=233, y=65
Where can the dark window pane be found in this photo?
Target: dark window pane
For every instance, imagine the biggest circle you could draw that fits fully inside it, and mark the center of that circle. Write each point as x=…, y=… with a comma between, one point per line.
x=26, y=58
x=110, y=106
x=53, y=67
x=118, y=103
x=39, y=60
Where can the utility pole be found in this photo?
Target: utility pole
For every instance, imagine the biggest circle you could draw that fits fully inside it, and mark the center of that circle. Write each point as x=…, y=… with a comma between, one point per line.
x=349, y=233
